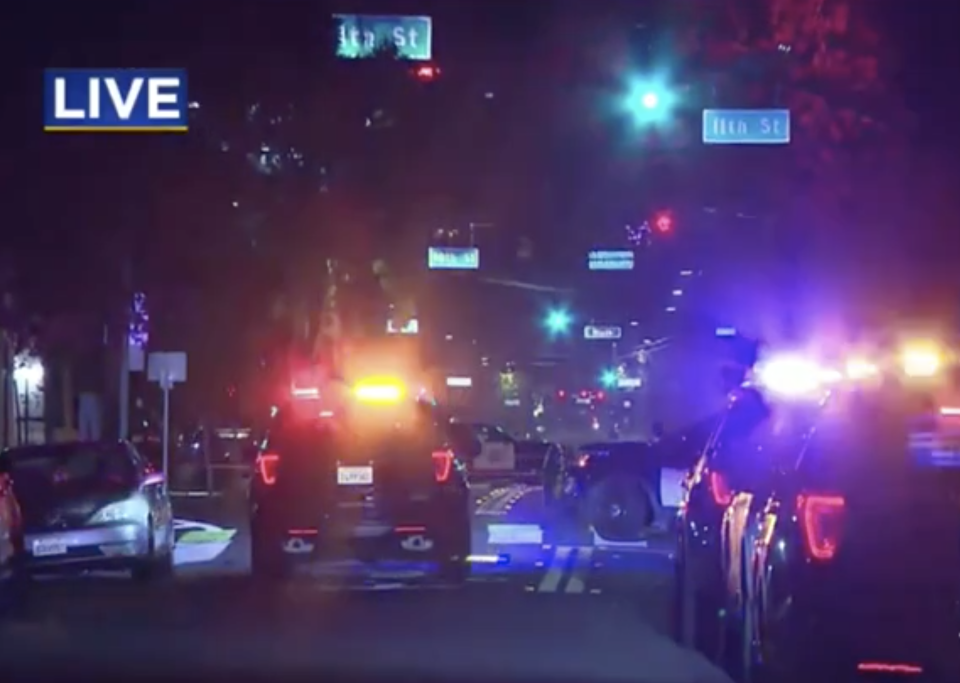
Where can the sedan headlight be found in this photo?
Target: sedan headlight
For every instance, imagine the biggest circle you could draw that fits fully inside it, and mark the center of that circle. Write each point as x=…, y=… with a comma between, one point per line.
x=131, y=510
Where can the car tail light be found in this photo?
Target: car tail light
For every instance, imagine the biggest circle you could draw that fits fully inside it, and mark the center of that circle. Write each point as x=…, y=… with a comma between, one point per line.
x=583, y=460
x=722, y=495
x=442, y=465
x=821, y=519
x=267, y=467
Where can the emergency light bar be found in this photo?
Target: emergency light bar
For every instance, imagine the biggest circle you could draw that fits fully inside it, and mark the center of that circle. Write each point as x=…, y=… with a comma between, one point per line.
x=380, y=390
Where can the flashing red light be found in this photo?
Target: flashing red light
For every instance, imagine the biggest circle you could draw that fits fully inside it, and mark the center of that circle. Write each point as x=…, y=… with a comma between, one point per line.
x=426, y=73
x=822, y=523
x=561, y=394
x=601, y=395
x=663, y=222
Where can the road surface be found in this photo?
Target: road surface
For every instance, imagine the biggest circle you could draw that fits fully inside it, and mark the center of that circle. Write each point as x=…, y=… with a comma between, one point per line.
x=561, y=608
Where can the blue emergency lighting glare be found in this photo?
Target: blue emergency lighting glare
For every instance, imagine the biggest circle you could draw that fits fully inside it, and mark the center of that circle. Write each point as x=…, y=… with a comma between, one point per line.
x=726, y=331
x=558, y=321
x=649, y=102
x=608, y=378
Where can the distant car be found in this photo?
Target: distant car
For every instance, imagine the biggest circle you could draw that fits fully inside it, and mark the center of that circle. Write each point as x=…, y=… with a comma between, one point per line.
x=827, y=514
x=372, y=481
x=626, y=490
x=11, y=544
x=91, y=505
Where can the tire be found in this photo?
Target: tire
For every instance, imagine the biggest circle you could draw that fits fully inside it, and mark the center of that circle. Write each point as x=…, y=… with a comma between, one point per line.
x=619, y=510
x=267, y=562
x=454, y=572
x=14, y=592
x=453, y=567
x=155, y=566
x=696, y=624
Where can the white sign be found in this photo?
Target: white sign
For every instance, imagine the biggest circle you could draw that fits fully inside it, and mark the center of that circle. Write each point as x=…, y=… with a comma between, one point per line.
x=167, y=367
x=602, y=332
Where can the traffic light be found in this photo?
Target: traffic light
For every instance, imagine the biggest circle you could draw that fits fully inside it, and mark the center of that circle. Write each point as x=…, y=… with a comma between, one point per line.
x=558, y=321
x=426, y=73
x=663, y=222
x=608, y=378
x=649, y=102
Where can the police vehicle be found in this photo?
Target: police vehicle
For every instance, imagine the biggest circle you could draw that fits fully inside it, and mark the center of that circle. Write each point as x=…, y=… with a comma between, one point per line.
x=360, y=476
x=820, y=529
x=626, y=490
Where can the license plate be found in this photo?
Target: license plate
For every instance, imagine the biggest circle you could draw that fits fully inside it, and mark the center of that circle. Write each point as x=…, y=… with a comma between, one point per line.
x=44, y=548
x=355, y=476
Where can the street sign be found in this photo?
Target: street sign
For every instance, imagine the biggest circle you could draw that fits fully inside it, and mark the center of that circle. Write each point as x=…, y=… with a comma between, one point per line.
x=746, y=126
x=360, y=36
x=617, y=259
x=602, y=332
x=167, y=368
x=453, y=258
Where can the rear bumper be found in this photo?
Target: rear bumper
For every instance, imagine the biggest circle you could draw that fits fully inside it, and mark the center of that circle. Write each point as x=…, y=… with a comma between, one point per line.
x=94, y=547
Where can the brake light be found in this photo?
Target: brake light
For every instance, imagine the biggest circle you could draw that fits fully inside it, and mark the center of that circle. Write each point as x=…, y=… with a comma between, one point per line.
x=267, y=467
x=722, y=495
x=821, y=519
x=442, y=465
x=583, y=460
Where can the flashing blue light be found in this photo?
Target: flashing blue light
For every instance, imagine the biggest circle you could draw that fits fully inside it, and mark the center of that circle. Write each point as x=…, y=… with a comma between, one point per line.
x=726, y=332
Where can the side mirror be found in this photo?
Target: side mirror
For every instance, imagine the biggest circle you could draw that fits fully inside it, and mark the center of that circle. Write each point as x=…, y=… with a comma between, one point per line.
x=152, y=479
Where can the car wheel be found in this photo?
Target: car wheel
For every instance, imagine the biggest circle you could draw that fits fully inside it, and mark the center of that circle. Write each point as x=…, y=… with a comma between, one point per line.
x=696, y=621
x=266, y=558
x=157, y=565
x=619, y=510
x=15, y=589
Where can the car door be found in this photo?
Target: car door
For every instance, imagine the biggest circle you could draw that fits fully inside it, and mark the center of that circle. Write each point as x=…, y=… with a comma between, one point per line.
x=742, y=478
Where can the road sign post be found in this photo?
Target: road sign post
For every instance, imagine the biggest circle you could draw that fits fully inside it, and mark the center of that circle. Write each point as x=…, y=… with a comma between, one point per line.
x=166, y=369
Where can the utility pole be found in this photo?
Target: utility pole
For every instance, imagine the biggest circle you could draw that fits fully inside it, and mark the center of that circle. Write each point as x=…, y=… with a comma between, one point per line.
x=123, y=393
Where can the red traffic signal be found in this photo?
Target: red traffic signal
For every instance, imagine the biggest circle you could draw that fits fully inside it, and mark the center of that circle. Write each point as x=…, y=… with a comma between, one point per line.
x=426, y=73
x=663, y=222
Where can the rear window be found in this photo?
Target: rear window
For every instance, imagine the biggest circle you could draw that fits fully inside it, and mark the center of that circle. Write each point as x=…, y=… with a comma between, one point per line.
x=327, y=441
x=84, y=466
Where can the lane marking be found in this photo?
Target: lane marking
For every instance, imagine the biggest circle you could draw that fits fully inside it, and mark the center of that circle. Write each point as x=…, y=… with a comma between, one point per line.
x=515, y=534
x=577, y=583
x=558, y=567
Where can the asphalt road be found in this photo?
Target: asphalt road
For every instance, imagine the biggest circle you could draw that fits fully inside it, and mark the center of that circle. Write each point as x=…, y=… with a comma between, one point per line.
x=561, y=608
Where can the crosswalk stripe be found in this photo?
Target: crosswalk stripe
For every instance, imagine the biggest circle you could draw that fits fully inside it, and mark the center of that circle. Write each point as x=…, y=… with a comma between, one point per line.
x=581, y=565
x=555, y=572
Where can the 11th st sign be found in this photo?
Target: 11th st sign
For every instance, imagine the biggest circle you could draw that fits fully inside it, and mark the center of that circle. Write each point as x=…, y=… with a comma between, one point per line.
x=746, y=126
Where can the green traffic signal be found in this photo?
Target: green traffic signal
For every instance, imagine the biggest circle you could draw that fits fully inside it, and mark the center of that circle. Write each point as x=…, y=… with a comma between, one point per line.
x=558, y=321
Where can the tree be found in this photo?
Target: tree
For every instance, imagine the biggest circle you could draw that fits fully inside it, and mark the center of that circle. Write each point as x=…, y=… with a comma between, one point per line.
x=832, y=203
